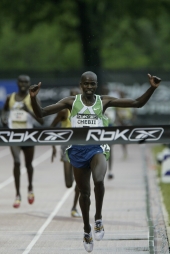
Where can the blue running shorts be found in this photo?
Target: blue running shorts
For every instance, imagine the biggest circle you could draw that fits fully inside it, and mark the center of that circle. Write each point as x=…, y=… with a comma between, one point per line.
x=80, y=156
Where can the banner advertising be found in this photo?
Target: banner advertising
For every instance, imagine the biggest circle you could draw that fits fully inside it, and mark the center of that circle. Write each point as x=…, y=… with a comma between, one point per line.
x=80, y=136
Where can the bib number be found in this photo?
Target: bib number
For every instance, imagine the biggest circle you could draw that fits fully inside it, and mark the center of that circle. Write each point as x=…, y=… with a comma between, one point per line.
x=18, y=116
x=87, y=120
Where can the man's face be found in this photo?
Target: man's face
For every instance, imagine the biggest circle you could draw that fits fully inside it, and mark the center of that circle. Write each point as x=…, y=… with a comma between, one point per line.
x=23, y=83
x=88, y=84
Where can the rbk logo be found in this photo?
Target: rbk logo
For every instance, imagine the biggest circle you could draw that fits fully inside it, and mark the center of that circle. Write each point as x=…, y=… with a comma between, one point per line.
x=102, y=135
x=145, y=134
x=136, y=134
x=54, y=136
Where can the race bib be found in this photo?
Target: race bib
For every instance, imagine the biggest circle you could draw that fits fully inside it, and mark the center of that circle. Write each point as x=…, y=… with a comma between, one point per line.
x=87, y=120
x=18, y=115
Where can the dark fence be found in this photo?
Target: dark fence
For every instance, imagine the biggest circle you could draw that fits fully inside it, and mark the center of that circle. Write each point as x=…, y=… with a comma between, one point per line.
x=57, y=85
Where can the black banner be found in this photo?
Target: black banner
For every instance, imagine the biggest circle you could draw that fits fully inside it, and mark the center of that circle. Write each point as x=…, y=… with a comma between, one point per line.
x=77, y=136
x=133, y=83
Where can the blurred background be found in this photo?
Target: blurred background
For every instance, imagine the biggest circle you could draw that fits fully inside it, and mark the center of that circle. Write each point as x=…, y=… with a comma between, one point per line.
x=55, y=41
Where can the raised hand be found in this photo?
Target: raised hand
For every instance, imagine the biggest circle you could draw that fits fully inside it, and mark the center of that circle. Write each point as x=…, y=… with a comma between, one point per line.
x=34, y=89
x=154, y=81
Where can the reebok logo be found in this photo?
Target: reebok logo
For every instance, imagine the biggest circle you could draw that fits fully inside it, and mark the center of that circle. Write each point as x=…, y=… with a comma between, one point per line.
x=146, y=134
x=54, y=136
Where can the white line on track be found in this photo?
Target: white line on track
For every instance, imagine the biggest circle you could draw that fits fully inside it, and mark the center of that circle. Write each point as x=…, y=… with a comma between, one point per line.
x=36, y=162
x=4, y=152
x=49, y=219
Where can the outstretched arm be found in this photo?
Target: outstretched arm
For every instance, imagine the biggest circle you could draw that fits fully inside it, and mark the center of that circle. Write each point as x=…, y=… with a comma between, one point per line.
x=129, y=103
x=39, y=120
x=61, y=116
x=49, y=110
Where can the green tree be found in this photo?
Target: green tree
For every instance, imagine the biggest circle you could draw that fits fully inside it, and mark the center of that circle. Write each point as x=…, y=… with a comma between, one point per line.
x=89, y=22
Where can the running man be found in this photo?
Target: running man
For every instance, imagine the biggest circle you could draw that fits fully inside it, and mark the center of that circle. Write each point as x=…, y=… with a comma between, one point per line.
x=90, y=159
x=18, y=113
x=63, y=118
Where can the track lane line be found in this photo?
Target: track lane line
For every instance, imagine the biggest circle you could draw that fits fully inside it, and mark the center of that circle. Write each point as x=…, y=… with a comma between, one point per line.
x=147, y=201
x=49, y=219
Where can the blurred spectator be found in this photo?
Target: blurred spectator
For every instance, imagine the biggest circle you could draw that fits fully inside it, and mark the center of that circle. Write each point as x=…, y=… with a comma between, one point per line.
x=124, y=117
x=111, y=115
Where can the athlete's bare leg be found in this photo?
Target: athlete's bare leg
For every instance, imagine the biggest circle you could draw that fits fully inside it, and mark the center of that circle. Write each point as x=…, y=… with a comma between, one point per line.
x=98, y=167
x=125, y=154
x=110, y=163
x=15, y=150
x=76, y=197
x=68, y=174
x=29, y=154
x=82, y=178
x=69, y=178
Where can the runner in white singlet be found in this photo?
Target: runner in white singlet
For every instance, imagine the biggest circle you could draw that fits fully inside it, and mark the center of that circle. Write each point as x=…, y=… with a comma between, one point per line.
x=17, y=114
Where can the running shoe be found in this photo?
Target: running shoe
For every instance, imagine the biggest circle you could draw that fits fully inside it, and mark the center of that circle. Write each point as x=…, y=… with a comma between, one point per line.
x=31, y=197
x=88, y=241
x=75, y=213
x=17, y=202
x=98, y=230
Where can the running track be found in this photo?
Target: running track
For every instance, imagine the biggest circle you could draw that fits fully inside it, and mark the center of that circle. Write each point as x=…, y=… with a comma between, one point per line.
x=46, y=227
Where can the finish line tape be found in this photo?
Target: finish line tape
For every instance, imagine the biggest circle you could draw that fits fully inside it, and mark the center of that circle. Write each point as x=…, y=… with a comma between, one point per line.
x=76, y=136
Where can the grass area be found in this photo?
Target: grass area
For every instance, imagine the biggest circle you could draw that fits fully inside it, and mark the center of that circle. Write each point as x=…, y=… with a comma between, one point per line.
x=165, y=187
